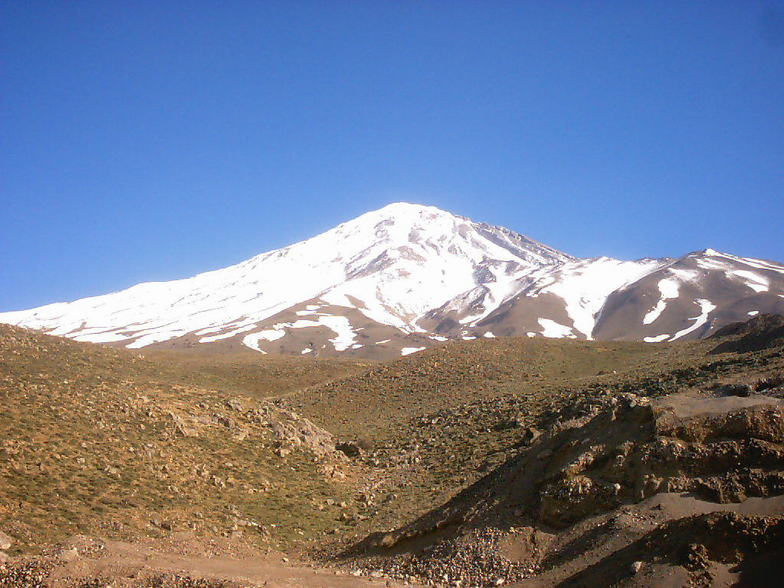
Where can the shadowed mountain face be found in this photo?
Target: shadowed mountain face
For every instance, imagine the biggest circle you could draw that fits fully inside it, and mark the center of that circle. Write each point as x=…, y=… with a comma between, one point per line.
x=761, y=332
x=406, y=277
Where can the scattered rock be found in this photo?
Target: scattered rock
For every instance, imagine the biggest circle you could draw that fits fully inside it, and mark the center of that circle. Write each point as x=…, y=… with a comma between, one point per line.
x=235, y=404
x=69, y=554
x=387, y=541
x=697, y=557
x=769, y=383
x=282, y=451
x=530, y=434
x=349, y=449
x=507, y=424
x=182, y=426
x=5, y=541
x=742, y=390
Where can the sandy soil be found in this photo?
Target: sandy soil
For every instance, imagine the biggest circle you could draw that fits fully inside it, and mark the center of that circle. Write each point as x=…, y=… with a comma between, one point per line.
x=129, y=564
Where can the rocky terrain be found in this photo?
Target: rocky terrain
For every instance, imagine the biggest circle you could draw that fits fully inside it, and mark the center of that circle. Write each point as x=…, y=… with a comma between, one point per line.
x=675, y=478
x=512, y=461
x=587, y=498
x=100, y=441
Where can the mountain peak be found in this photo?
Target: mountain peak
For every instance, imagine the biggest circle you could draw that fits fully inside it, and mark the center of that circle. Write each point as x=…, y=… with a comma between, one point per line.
x=391, y=266
x=395, y=279
x=403, y=207
x=408, y=213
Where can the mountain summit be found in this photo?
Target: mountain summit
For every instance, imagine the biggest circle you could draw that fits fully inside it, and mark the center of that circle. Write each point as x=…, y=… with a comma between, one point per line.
x=395, y=280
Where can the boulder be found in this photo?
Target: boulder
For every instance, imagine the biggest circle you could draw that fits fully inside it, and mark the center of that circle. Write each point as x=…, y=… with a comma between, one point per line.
x=349, y=448
x=5, y=541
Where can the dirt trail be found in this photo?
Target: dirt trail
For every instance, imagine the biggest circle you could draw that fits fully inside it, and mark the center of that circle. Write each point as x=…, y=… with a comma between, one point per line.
x=129, y=564
x=685, y=404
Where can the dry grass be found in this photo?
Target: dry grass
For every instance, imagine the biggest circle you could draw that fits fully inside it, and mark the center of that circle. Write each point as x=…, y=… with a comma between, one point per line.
x=106, y=441
x=375, y=401
x=441, y=419
x=99, y=440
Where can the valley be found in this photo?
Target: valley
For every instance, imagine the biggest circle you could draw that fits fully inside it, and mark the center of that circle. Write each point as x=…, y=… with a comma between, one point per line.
x=392, y=294
x=472, y=463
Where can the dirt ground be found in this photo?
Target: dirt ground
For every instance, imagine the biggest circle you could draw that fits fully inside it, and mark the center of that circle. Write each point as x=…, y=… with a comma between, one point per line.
x=187, y=563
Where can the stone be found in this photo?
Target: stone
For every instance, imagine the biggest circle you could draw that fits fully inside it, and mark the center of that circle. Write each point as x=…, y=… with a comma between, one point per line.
x=636, y=567
x=735, y=390
x=234, y=404
x=349, y=449
x=531, y=434
x=387, y=541
x=5, y=541
x=69, y=554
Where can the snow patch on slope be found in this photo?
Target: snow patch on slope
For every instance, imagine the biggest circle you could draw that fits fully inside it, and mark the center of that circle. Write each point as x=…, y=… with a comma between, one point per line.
x=340, y=325
x=728, y=264
x=410, y=350
x=706, y=306
x=99, y=337
x=750, y=261
x=754, y=281
x=345, y=336
x=668, y=288
x=555, y=330
x=585, y=285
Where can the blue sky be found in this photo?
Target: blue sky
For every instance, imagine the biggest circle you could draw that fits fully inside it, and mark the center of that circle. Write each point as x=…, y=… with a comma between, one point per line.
x=148, y=141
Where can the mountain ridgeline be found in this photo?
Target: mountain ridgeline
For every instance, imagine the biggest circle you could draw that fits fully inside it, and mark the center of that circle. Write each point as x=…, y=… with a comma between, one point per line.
x=407, y=277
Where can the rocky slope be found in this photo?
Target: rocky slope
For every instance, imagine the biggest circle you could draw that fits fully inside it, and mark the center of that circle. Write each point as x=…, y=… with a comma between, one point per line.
x=487, y=462
x=406, y=277
x=683, y=489
x=98, y=440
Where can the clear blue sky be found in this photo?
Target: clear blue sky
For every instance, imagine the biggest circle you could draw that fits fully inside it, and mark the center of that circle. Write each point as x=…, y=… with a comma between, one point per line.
x=153, y=140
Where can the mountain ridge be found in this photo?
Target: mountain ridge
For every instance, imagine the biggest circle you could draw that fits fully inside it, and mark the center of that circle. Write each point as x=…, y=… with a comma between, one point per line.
x=405, y=277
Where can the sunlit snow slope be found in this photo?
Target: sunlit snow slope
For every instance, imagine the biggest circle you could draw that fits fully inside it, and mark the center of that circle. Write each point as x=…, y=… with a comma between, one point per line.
x=402, y=278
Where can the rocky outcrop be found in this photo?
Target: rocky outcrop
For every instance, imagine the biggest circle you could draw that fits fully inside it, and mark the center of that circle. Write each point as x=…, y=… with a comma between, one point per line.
x=620, y=453
x=761, y=332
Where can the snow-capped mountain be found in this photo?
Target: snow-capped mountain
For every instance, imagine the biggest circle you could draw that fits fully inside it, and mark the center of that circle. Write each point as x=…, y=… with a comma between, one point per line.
x=398, y=279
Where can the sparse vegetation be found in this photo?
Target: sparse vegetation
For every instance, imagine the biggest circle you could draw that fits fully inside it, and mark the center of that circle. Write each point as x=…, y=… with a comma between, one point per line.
x=97, y=440
x=121, y=445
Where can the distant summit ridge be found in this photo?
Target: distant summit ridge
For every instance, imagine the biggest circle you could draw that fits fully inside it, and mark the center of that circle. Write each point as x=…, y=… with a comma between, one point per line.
x=398, y=279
